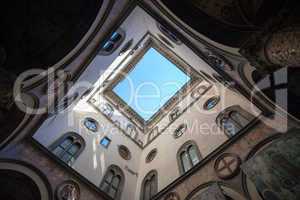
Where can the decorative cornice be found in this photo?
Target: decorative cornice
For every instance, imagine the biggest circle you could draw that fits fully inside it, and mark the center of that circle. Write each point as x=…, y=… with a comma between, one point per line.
x=126, y=110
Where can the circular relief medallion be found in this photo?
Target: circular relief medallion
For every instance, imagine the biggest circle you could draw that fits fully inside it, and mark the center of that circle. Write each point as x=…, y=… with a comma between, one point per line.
x=227, y=165
x=68, y=190
x=172, y=196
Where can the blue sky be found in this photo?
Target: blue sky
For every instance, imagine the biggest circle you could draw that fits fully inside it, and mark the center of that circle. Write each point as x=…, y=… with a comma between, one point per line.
x=150, y=84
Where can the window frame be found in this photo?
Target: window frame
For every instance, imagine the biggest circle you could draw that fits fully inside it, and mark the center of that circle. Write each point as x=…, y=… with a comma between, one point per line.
x=151, y=176
x=214, y=99
x=76, y=139
x=93, y=121
x=105, y=138
x=185, y=149
x=168, y=33
x=225, y=114
x=116, y=44
x=118, y=172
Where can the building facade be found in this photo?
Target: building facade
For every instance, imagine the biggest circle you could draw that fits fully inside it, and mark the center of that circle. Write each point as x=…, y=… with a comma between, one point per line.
x=222, y=124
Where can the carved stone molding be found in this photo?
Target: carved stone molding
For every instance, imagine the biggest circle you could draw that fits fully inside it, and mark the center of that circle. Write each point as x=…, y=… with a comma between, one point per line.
x=227, y=165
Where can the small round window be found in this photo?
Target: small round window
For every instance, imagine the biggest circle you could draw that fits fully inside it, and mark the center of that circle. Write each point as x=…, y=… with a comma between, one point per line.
x=124, y=152
x=211, y=103
x=180, y=130
x=151, y=155
x=91, y=124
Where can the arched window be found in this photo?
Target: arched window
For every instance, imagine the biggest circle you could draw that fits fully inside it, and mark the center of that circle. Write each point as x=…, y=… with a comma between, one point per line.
x=113, y=182
x=68, y=147
x=188, y=156
x=233, y=119
x=211, y=103
x=149, y=185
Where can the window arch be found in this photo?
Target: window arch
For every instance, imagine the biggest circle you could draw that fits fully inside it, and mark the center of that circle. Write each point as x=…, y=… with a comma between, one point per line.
x=149, y=185
x=113, y=182
x=188, y=156
x=68, y=147
x=233, y=119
